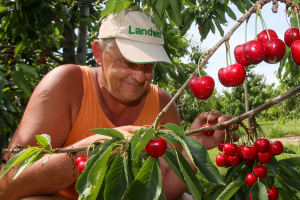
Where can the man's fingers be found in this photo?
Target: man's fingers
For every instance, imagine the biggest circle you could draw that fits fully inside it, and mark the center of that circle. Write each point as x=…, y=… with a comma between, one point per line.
x=213, y=116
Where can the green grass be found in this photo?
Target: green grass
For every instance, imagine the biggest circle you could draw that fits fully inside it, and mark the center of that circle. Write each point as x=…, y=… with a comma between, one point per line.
x=274, y=129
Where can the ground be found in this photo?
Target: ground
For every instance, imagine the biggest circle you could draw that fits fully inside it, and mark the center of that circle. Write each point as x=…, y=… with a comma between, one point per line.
x=288, y=139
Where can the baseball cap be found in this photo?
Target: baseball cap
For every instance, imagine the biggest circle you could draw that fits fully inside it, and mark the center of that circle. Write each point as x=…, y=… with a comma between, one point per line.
x=138, y=39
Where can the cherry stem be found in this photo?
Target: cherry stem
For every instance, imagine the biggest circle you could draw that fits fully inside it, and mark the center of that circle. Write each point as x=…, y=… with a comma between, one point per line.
x=246, y=30
x=228, y=52
x=264, y=24
x=199, y=62
x=257, y=11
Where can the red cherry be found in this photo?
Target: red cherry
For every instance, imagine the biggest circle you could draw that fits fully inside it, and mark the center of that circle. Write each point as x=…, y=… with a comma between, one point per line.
x=234, y=160
x=233, y=75
x=221, y=146
x=290, y=36
x=277, y=147
x=230, y=149
x=264, y=157
x=250, y=198
x=263, y=36
x=81, y=166
x=239, y=55
x=43, y=58
x=208, y=133
x=249, y=152
x=80, y=159
x=221, y=79
x=260, y=171
x=202, y=87
x=275, y=50
x=250, y=179
x=156, y=148
x=254, y=52
x=295, y=49
x=262, y=145
x=239, y=151
x=221, y=160
x=46, y=53
x=273, y=193
x=2, y=62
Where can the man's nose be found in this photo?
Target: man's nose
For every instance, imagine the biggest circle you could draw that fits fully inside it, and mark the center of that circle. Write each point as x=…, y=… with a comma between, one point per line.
x=138, y=73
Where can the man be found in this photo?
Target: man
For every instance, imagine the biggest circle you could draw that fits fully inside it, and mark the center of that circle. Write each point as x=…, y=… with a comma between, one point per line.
x=70, y=100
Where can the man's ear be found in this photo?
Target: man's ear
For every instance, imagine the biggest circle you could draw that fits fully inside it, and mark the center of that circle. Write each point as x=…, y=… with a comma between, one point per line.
x=97, y=52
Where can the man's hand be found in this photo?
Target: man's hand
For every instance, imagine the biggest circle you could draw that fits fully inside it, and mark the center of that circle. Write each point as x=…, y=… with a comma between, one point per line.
x=219, y=135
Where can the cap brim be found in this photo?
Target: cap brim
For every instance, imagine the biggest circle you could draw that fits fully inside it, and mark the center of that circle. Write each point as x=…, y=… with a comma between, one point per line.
x=138, y=52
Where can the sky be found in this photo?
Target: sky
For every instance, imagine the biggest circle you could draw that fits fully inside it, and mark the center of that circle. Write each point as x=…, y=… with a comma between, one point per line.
x=275, y=21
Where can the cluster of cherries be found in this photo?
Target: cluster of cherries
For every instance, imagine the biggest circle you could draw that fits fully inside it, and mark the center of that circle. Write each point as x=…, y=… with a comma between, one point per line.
x=262, y=149
x=80, y=163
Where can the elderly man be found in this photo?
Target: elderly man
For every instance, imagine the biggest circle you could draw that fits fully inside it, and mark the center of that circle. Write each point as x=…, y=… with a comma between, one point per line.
x=117, y=94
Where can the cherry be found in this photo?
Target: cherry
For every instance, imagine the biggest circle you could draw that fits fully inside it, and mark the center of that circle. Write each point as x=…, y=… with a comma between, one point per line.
x=250, y=179
x=221, y=146
x=277, y=147
x=264, y=157
x=295, y=49
x=273, y=193
x=81, y=166
x=275, y=50
x=263, y=36
x=290, y=36
x=254, y=52
x=46, y=53
x=80, y=159
x=208, y=133
x=262, y=145
x=250, y=198
x=43, y=58
x=221, y=160
x=230, y=149
x=260, y=171
x=239, y=55
x=249, y=152
x=221, y=79
x=234, y=160
x=239, y=152
x=202, y=87
x=156, y=148
x=233, y=75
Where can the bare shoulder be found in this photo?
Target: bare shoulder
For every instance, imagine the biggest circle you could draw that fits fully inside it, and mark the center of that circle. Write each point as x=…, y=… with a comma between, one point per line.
x=52, y=108
x=172, y=115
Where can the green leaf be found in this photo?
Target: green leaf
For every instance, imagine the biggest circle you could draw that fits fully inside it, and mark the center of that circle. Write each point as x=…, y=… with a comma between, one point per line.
x=41, y=140
x=147, y=185
x=294, y=160
x=174, y=11
x=189, y=19
x=289, y=151
x=16, y=159
x=294, y=69
x=2, y=84
x=116, y=184
x=30, y=160
x=284, y=194
x=171, y=159
x=292, y=183
x=169, y=136
x=109, y=8
x=27, y=68
x=259, y=191
x=108, y=132
x=82, y=184
x=205, y=29
x=230, y=190
x=189, y=176
x=20, y=47
x=161, y=6
x=293, y=20
x=212, y=27
x=232, y=172
x=217, y=23
x=202, y=160
x=3, y=8
x=21, y=82
x=156, y=19
x=230, y=12
x=141, y=145
x=175, y=129
x=135, y=138
x=240, y=5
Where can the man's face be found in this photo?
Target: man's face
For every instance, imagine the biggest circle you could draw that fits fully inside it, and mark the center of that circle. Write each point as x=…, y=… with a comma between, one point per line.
x=124, y=80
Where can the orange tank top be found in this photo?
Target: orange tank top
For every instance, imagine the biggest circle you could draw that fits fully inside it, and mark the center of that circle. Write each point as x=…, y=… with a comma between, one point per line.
x=91, y=116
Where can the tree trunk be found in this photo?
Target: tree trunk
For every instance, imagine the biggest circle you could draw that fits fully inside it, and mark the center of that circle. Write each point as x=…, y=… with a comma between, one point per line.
x=82, y=36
